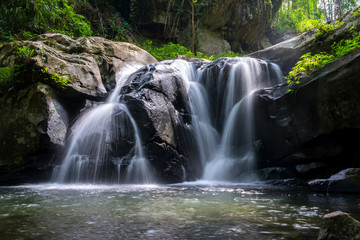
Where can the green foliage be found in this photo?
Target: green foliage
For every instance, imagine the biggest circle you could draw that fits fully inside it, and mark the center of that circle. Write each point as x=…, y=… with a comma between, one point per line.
x=309, y=63
x=326, y=29
x=356, y=14
x=21, y=19
x=323, y=30
x=6, y=78
x=307, y=24
x=299, y=16
x=171, y=50
x=24, y=52
x=346, y=45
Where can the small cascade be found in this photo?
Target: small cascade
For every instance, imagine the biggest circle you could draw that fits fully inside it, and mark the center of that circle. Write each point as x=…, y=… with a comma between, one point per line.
x=222, y=114
x=91, y=155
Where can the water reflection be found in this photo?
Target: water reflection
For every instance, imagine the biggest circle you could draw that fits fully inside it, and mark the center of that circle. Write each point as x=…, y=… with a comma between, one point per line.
x=182, y=211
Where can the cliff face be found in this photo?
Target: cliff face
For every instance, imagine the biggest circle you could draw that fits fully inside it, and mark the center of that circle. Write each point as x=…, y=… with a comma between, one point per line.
x=221, y=25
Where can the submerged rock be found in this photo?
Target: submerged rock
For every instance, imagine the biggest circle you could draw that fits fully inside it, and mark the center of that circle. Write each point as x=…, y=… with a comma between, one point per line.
x=339, y=226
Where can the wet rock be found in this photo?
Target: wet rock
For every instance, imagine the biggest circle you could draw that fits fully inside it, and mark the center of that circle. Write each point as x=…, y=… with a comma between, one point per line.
x=314, y=166
x=318, y=121
x=339, y=226
x=32, y=127
x=345, y=181
x=156, y=96
x=275, y=173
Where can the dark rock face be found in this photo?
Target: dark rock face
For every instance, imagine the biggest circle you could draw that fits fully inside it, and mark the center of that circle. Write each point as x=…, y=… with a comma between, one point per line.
x=339, y=225
x=156, y=95
x=31, y=129
x=315, y=124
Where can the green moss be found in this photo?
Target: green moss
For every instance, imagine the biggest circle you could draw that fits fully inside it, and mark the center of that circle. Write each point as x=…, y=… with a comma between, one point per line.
x=55, y=80
x=309, y=63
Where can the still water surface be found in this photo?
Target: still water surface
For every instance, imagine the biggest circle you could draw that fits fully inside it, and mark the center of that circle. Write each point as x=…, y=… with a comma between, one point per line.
x=184, y=211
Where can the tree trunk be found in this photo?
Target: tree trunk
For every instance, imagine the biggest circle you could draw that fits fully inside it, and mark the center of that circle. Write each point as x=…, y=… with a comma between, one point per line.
x=193, y=26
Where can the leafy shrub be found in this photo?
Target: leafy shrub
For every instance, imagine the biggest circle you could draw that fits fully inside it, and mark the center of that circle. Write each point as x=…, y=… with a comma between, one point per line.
x=307, y=24
x=6, y=77
x=307, y=64
x=171, y=50
x=24, y=18
x=24, y=52
x=326, y=29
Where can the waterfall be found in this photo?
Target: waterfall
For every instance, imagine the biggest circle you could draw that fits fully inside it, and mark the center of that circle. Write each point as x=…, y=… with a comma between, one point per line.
x=91, y=155
x=104, y=144
x=221, y=105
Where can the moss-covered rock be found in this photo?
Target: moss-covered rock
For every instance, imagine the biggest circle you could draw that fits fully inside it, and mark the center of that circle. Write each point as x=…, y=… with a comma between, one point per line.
x=339, y=226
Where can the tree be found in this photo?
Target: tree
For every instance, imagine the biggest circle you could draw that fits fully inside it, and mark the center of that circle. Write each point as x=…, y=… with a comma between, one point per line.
x=193, y=2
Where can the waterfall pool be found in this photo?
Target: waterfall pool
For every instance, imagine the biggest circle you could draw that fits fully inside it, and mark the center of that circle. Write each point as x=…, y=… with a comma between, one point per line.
x=199, y=210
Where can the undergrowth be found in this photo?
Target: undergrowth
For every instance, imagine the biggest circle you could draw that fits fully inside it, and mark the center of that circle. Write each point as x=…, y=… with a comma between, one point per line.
x=309, y=62
x=171, y=50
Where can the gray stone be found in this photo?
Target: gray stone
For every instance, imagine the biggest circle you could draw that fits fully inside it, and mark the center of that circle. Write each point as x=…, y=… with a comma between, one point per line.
x=339, y=226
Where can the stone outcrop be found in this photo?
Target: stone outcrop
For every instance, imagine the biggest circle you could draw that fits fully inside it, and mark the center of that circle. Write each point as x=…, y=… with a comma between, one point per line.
x=339, y=226
x=315, y=124
x=35, y=115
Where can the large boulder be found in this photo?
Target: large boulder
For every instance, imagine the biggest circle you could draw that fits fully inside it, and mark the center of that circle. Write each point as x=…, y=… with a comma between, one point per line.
x=36, y=113
x=339, y=226
x=32, y=123
x=156, y=96
x=315, y=124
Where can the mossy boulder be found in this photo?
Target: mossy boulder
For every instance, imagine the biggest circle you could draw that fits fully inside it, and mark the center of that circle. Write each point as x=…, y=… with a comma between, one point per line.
x=339, y=226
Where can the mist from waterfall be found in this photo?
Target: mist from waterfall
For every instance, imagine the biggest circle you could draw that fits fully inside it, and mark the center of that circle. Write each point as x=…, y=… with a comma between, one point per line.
x=91, y=154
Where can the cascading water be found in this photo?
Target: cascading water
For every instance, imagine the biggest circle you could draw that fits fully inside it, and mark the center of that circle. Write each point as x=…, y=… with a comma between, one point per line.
x=105, y=143
x=221, y=106
x=91, y=155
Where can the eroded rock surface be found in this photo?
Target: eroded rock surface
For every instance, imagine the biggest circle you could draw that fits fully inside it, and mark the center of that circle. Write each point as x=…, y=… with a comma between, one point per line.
x=35, y=116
